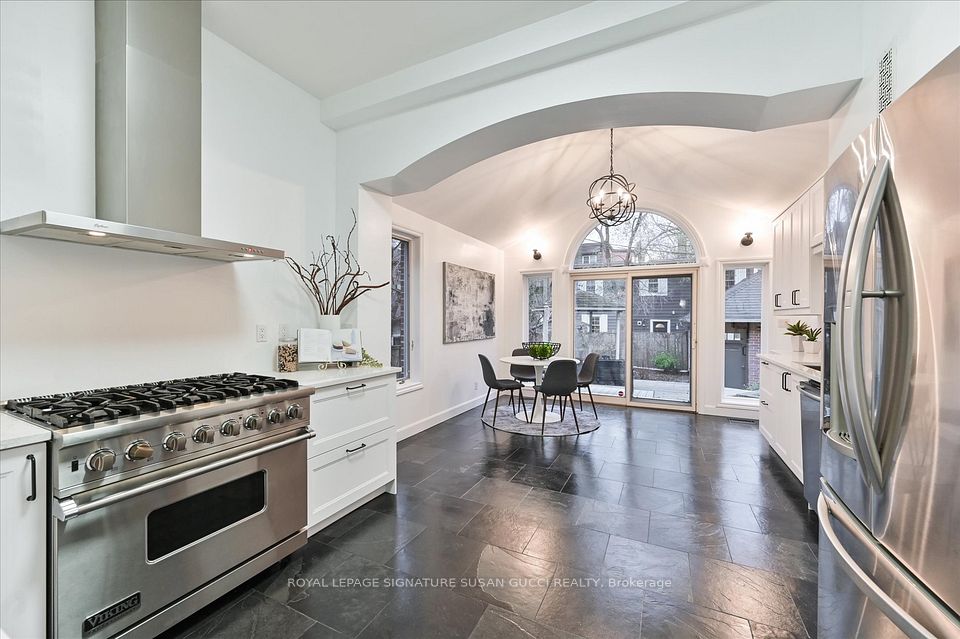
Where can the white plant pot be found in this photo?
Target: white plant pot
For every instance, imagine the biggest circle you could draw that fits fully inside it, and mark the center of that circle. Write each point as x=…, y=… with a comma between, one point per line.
x=811, y=348
x=328, y=322
x=797, y=341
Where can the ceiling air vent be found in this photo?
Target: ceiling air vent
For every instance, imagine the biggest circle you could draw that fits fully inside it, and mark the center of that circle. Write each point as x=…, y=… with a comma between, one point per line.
x=885, y=81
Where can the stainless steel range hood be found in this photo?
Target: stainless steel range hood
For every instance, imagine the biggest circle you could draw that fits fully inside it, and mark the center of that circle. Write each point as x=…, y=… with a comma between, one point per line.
x=148, y=139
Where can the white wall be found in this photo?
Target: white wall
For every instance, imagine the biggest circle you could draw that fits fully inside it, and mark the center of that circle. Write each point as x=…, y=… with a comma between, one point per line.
x=718, y=232
x=921, y=34
x=73, y=316
x=450, y=373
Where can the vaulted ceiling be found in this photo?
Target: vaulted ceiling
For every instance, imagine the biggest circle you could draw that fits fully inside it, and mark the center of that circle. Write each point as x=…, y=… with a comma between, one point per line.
x=761, y=171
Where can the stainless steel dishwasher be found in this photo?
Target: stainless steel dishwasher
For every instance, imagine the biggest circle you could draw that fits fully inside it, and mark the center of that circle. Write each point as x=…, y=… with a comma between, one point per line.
x=810, y=429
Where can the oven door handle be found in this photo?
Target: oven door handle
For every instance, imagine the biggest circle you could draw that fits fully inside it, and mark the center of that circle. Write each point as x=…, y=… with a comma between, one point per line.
x=68, y=508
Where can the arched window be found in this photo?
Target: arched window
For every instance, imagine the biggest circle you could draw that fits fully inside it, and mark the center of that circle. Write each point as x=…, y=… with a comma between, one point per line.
x=647, y=239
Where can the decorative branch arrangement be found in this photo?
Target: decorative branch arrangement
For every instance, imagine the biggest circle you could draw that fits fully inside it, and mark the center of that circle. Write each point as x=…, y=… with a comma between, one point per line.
x=334, y=278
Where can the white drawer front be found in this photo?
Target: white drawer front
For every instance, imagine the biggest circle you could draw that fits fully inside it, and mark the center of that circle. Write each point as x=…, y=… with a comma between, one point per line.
x=341, y=414
x=337, y=478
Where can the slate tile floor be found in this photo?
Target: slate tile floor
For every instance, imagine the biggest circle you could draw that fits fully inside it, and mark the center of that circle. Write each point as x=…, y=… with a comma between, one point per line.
x=660, y=524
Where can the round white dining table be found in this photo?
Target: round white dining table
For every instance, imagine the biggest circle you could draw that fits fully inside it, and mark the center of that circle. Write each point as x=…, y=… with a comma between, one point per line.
x=538, y=367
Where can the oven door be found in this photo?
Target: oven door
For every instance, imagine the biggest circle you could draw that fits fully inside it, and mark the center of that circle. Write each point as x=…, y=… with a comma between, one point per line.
x=126, y=551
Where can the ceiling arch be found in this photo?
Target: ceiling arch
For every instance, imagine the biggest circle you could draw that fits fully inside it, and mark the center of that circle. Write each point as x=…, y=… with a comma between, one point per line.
x=717, y=110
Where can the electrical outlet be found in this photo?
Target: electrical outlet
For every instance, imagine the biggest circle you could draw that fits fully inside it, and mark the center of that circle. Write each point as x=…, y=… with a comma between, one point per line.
x=261, y=332
x=476, y=386
x=283, y=333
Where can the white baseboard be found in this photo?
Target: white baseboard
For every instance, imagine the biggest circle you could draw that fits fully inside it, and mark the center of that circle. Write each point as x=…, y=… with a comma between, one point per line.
x=432, y=420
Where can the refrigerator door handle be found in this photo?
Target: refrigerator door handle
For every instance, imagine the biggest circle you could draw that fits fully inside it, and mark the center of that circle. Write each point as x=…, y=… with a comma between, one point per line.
x=947, y=625
x=868, y=428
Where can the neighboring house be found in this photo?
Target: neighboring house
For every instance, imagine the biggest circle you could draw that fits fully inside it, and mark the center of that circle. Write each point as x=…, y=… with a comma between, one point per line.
x=742, y=304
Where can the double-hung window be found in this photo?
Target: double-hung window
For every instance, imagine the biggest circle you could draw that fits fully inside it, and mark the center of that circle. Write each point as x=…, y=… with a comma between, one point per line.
x=401, y=342
x=538, y=299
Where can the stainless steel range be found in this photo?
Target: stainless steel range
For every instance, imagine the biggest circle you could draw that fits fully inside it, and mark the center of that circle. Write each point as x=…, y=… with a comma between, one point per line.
x=166, y=495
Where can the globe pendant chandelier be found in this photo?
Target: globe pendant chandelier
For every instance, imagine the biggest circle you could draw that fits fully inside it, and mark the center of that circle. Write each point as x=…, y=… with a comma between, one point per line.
x=611, y=198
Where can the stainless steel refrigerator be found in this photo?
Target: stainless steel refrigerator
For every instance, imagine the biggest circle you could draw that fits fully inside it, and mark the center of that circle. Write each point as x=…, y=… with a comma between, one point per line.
x=890, y=459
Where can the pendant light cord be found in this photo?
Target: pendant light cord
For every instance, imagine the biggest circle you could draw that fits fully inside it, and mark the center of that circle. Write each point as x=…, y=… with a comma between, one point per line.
x=611, y=151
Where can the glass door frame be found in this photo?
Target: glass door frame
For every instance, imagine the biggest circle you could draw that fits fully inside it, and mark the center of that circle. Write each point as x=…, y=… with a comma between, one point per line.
x=628, y=274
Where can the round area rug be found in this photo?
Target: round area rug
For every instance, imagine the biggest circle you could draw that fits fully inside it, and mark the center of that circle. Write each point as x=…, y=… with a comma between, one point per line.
x=507, y=421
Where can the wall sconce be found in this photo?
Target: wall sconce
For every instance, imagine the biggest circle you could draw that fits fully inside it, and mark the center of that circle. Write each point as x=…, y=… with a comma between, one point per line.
x=747, y=239
x=536, y=254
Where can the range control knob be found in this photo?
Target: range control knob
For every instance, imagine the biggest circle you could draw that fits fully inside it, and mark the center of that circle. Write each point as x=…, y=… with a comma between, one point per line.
x=174, y=442
x=101, y=460
x=274, y=416
x=252, y=422
x=294, y=411
x=139, y=450
x=203, y=435
x=230, y=428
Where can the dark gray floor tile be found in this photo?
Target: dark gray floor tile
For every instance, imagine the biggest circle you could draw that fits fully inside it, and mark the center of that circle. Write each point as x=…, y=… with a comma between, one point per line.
x=656, y=568
x=804, y=595
x=575, y=546
x=497, y=492
x=378, y=537
x=553, y=509
x=689, y=535
x=607, y=490
x=286, y=581
x=346, y=523
x=728, y=513
x=420, y=453
x=320, y=631
x=538, y=477
x=578, y=462
x=505, y=528
x=495, y=468
x=776, y=554
x=426, y=613
x=626, y=473
x=643, y=458
x=444, y=511
x=753, y=494
x=411, y=473
x=496, y=623
x=341, y=601
x=535, y=455
x=802, y=526
x=437, y=553
x=252, y=617
x=615, y=519
x=667, y=618
x=450, y=482
x=683, y=482
x=407, y=498
x=652, y=499
x=580, y=603
x=510, y=580
x=744, y=592
x=762, y=631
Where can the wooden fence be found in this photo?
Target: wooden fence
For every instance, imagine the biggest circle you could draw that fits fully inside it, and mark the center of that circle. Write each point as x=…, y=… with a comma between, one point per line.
x=646, y=347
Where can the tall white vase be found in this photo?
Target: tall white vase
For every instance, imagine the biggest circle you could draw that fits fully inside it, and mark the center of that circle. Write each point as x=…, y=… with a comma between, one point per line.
x=328, y=322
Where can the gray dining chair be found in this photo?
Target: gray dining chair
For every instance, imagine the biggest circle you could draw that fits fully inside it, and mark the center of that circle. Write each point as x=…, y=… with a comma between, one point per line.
x=559, y=381
x=587, y=376
x=499, y=385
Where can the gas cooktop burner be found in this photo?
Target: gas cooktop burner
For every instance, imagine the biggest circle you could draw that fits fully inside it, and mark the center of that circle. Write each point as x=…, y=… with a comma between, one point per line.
x=88, y=407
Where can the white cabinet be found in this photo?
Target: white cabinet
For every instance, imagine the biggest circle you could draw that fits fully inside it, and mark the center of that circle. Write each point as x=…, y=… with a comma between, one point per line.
x=354, y=455
x=780, y=414
x=23, y=541
x=796, y=273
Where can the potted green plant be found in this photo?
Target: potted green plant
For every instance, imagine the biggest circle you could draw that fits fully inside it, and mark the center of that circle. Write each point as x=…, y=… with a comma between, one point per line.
x=810, y=344
x=797, y=332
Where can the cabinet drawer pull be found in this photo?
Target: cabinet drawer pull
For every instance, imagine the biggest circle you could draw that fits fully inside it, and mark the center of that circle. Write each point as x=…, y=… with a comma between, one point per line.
x=783, y=382
x=764, y=403
x=776, y=300
x=765, y=363
x=793, y=297
x=360, y=447
x=350, y=388
x=33, y=478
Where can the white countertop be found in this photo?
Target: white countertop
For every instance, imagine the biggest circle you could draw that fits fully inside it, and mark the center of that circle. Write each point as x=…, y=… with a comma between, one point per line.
x=335, y=376
x=798, y=363
x=18, y=432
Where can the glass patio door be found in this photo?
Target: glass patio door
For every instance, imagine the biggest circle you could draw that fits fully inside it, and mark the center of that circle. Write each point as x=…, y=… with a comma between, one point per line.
x=599, y=326
x=662, y=324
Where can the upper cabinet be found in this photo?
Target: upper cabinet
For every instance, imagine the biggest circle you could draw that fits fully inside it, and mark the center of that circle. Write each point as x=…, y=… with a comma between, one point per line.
x=796, y=260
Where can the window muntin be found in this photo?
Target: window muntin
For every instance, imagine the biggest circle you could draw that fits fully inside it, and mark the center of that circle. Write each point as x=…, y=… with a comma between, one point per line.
x=647, y=239
x=400, y=307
